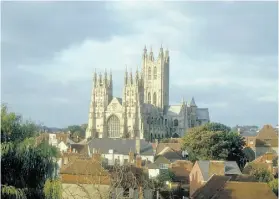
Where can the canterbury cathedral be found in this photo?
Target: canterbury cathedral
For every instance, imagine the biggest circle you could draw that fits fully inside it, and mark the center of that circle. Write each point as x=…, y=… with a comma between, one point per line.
x=144, y=110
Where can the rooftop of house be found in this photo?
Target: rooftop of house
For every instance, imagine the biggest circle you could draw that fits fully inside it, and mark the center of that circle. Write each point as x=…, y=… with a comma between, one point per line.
x=209, y=167
x=174, y=146
x=84, y=166
x=221, y=187
x=170, y=154
x=120, y=146
x=181, y=169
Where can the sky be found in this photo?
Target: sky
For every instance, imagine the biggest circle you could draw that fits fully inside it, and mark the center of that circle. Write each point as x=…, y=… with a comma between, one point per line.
x=224, y=54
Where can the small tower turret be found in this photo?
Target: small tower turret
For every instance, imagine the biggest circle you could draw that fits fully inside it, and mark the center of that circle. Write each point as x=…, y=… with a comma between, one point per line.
x=106, y=77
x=161, y=53
x=100, y=80
x=110, y=78
x=131, y=77
x=151, y=56
x=95, y=78
x=144, y=55
x=126, y=77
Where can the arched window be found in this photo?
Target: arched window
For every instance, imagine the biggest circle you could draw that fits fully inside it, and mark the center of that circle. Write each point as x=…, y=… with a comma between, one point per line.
x=154, y=99
x=113, y=127
x=149, y=98
x=175, y=122
x=155, y=73
x=149, y=73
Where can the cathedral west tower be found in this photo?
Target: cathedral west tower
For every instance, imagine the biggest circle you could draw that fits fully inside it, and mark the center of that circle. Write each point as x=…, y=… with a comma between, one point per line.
x=144, y=110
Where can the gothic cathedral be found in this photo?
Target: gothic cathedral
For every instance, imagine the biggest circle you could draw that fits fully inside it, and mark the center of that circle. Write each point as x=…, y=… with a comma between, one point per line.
x=144, y=110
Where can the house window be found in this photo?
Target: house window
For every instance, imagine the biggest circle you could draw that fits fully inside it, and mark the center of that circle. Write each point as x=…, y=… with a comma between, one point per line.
x=163, y=166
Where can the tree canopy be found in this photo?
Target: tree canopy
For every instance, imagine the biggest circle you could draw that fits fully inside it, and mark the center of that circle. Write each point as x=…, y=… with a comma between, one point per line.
x=214, y=141
x=25, y=164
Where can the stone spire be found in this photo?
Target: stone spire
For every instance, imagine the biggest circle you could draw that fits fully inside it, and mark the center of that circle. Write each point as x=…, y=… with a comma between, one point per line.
x=100, y=78
x=105, y=76
x=144, y=52
x=95, y=78
x=151, y=57
x=126, y=76
x=110, y=77
x=131, y=77
x=161, y=52
x=193, y=103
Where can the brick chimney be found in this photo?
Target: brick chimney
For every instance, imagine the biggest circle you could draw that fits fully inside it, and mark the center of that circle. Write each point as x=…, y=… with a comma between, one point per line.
x=138, y=161
x=96, y=156
x=216, y=167
x=137, y=145
x=131, y=157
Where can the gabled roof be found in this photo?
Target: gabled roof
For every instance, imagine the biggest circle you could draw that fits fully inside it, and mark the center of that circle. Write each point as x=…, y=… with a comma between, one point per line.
x=231, y=167
x=170, y=154
x=120, y=146
x=221, y=187
x=85, y=166
x=267, y=132
x=173, y=110
x=119, y=100
x=247, y=190
x=161, y=160
x=174, y=146
x=212, y=186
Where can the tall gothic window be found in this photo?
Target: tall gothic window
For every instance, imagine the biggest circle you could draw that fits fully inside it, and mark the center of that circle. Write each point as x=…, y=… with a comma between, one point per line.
x=149, y=73
x=175, y=122
x=149, y=98
x=154, y=99
x=155, y=73
x=113, y=127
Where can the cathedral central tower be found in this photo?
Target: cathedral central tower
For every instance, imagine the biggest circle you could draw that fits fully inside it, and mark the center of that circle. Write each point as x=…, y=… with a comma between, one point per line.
x=156, y=78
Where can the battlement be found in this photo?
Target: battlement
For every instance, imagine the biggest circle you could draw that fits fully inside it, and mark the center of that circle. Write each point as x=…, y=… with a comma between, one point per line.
x=102, y=80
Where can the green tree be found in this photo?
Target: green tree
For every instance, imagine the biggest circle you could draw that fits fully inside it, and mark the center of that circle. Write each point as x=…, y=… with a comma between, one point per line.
x=77, y=132
x=214, y=141
x=274, y=186
x=25, y=165
x=259, y=173
x=249, y=154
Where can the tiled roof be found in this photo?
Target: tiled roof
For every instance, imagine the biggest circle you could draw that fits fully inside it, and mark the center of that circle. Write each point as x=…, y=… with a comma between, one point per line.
x=84, y=167
x=120, y=146
x=181, y=169
x=221, y=187
x=172, y=110
x=231, y=167
x=152, y=166
x=212, y=186
x=250, y=133
x=175, y=146
x=170, y=154
x=245, y=190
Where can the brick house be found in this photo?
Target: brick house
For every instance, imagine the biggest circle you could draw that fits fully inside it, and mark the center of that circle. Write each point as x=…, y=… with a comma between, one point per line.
x=266, y=140
x=203, y=170
x=82, y=176
x=223, y=187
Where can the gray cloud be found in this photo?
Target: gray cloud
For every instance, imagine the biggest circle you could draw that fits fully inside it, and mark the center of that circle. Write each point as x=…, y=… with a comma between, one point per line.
x=234, y=44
